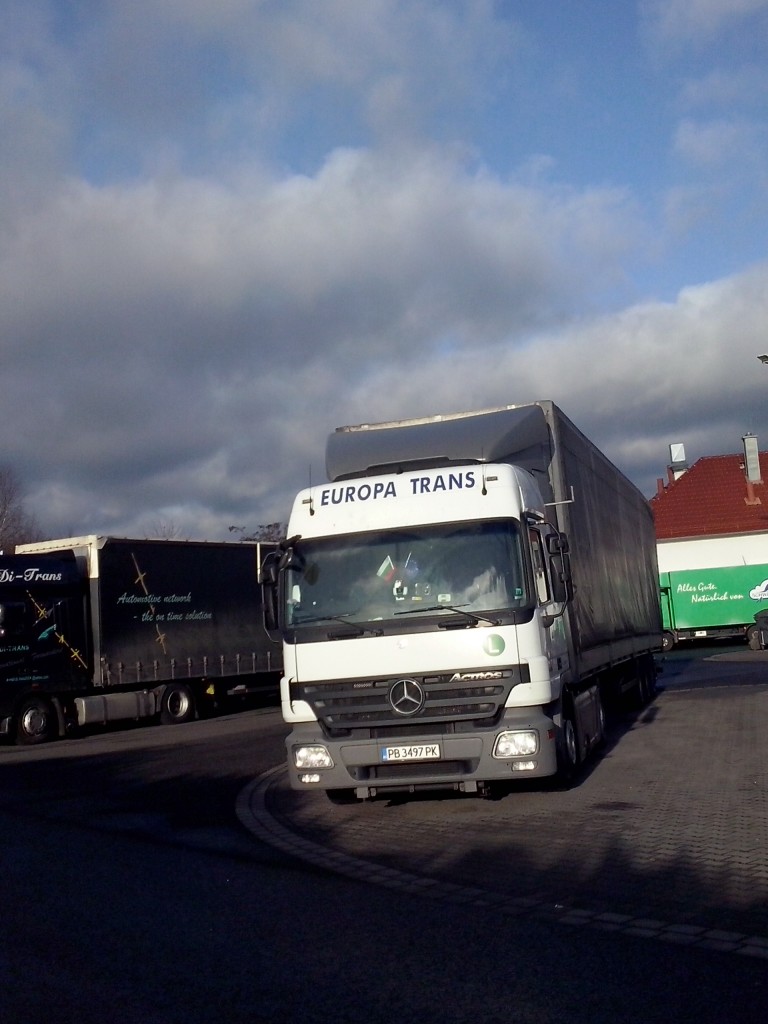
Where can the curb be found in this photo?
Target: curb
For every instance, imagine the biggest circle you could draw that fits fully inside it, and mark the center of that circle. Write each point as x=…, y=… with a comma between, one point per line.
x=253, y=813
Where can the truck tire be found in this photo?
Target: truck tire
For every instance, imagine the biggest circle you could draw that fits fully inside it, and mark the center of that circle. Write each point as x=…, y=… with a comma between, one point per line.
x=568, y=754
x=36, y=721
x=177, y=705
x=646, y=683
x=667, y=640
x=601, y=740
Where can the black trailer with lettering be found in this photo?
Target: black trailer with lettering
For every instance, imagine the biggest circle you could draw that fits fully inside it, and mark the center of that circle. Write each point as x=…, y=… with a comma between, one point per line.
x=98, y=629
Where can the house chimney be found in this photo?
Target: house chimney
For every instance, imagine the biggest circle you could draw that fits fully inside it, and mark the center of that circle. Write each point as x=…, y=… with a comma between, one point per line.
x=752, y=459
x=751, y=468
x=677, y=460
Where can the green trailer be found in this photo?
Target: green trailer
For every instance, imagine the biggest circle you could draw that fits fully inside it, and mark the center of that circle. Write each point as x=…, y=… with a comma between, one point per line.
x=721, y=602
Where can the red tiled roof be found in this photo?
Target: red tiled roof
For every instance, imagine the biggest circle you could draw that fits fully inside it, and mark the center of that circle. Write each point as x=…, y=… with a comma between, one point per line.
x=712, y=498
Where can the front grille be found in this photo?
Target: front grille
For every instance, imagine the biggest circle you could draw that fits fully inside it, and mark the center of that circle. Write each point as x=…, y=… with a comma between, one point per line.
x=362, y=707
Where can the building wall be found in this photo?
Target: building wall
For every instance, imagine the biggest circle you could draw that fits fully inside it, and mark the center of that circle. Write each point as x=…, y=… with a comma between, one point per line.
x=712, y=552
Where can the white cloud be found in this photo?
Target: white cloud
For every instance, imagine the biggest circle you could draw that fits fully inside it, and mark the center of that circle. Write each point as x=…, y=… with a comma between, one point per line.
x=721, y=142
x=227, y=227
x=180, y=327
x=198, y=81
x=699, y=19
x=633, y=381
x=689, y=207
x=740, y=88
x=199, y=343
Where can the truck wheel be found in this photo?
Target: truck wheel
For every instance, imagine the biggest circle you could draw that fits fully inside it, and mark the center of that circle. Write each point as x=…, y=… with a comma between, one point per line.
x=667, y=641
x=568, y=757
x=641, y=691
x=646, y=684
x=35, y=721
x=601, y=740
x=177, y=704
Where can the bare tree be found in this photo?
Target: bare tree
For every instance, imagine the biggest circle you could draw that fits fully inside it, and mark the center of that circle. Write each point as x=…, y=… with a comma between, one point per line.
x=164, y=529
x=264, y=531
x=17, y=526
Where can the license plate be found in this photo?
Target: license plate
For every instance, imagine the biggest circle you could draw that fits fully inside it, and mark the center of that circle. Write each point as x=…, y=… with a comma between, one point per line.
x=415, y=752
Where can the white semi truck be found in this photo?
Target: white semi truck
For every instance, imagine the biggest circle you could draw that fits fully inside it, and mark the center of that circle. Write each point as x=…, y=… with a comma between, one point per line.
x=459, y=603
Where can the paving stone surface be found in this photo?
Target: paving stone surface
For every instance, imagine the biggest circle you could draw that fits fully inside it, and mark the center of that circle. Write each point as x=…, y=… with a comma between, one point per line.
x=666, y=834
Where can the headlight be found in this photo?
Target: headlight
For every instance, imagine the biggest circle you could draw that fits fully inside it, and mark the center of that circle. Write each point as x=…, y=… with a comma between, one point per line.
x=312, y=757
x=516, y=744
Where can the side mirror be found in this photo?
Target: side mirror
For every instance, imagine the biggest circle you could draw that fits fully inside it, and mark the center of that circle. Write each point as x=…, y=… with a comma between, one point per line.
x=270, y=567
x=269, y=575
x=560, y=568
x=287, y=556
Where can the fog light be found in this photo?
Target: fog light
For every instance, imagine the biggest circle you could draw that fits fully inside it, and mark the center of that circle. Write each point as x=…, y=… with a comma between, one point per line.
x=312, y=757
x=523, y=766
x=307, y=778
x=516, y=744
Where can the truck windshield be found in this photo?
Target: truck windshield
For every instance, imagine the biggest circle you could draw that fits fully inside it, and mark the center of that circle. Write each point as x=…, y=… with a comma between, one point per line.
x=387, y=578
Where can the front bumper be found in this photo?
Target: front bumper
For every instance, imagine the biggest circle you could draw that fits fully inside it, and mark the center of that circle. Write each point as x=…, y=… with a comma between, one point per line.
x=466, y=759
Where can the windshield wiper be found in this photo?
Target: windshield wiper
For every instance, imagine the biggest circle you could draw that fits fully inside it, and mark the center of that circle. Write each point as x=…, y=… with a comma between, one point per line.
x=353, y=628
x=472, y=618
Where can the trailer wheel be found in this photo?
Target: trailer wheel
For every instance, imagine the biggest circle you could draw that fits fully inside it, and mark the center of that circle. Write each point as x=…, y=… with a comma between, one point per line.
x=177, y=705
x=640, y=698
x=667, y=641
x=646, y=683
x=602, y=728
x=568, y=756
x=35, y=721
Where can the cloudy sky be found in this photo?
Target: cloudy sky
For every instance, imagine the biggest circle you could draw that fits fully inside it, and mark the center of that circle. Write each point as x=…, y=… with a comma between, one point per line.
x=228, y=226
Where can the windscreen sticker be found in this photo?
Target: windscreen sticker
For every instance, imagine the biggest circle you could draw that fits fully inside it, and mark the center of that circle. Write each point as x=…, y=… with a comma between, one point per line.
x=387, y=569
x=494, y=645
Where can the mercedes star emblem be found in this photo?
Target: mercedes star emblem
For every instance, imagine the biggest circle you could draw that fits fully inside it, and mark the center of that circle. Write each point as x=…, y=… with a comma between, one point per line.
x=406, y=697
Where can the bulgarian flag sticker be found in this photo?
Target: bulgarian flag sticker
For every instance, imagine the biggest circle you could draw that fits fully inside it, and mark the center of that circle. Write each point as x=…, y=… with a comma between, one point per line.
x=386, y=570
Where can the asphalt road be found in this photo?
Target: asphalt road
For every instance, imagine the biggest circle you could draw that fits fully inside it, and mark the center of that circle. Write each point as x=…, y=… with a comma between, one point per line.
x=131, y=892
